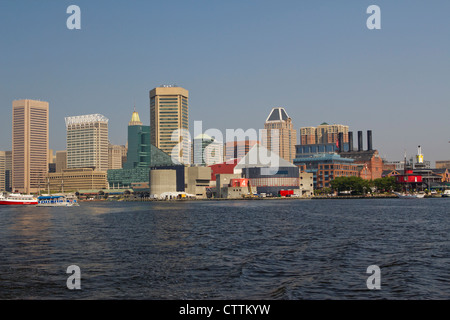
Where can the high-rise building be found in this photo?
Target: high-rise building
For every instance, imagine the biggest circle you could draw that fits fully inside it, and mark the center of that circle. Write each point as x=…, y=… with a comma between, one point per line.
x=87, y=142
x=280, y=136
x=29, y=145
x=117, y=155
x=169, y=121
x=308, y=135
x=8, y=170
x=138, y=154
x=61, y=160
x=2, y=170
x=323, y=134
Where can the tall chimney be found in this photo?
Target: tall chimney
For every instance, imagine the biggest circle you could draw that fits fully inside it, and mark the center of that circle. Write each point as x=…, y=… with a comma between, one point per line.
x=360, y=141
x=341, y=142
x=369, y=140
x=350, y=141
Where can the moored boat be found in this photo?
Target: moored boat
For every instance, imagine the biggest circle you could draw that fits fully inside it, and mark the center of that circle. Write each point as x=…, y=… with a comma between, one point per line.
x=17, y=199
x=410, y=195
x=446, y=194
x=57, y=200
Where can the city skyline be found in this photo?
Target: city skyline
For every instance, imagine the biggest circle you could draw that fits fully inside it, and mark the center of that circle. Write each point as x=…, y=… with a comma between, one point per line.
x=319, y=61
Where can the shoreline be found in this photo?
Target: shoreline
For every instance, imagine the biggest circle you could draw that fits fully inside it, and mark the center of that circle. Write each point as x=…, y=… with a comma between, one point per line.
x=257, y=199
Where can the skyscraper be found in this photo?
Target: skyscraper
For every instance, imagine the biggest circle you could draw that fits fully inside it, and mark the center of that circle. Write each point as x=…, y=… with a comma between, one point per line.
x=29, y=145
x=61, y=160
x=138, y=154
x=2, y=171
x=117, y=155
x=280, y=136
x=169, y=121
x=87, y=142
x=8, y=170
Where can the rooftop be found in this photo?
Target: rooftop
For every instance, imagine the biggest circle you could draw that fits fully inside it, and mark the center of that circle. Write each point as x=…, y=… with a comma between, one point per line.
x=89, y=118
x=135, y=120
x=277, y=114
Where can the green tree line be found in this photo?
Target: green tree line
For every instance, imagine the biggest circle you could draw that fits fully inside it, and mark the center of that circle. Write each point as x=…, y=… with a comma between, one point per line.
x=358, y=186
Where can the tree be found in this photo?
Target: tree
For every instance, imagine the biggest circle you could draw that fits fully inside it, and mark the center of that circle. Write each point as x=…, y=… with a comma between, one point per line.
x=356, y=185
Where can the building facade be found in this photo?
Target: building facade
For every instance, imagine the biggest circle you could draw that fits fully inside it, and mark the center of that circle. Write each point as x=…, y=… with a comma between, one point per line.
x=325, y=167
x=2, y=171
x=279, y=135
x=61, y=160
x=117, y=155
x=30, y=139
x=370, y=159
x=169, y=121
x=199, y=144
x=72, y=180
x=139, y=145
x=8, y=171
x=323, y=134
x=443, y=164
x=87, y=142
x=238, y=149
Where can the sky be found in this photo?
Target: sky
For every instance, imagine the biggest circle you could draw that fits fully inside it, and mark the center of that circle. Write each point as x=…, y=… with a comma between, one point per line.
x=238, y=59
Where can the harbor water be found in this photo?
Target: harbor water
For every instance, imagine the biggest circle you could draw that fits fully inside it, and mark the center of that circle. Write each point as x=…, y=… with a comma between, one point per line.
x=268, y=250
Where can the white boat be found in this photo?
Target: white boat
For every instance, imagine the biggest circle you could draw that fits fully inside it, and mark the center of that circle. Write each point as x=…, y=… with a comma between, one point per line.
x=446, y=194
x=57, y=200
x=410, y=195
x=17, y=199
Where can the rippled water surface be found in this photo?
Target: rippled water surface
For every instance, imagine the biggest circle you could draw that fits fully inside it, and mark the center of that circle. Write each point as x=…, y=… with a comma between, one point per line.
x=296, y=249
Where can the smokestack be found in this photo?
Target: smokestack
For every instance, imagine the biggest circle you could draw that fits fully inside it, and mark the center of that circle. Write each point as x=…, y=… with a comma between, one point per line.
x=341, y=142
x=369, y=140
x=360, y=141
x=350, y=141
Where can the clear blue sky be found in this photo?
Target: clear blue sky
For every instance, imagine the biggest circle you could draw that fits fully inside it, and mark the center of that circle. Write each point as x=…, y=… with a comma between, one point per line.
x=238, y=59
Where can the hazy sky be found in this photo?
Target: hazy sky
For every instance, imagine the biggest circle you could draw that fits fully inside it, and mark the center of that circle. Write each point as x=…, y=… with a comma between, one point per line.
x=238, y=59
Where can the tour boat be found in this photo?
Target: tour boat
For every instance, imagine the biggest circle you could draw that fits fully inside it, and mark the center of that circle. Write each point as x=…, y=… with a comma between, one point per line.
x=57, y=200
x=446, y=194
x=18, y=199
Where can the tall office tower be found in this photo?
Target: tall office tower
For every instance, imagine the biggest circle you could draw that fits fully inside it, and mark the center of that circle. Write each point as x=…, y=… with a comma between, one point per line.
x=2, y=171
x=139, y=148
x=280, y=136
x=61, y=160
x=8, y=170
x=29, y=145
x=87, y=142
x=169, y=121
x=116, y=156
